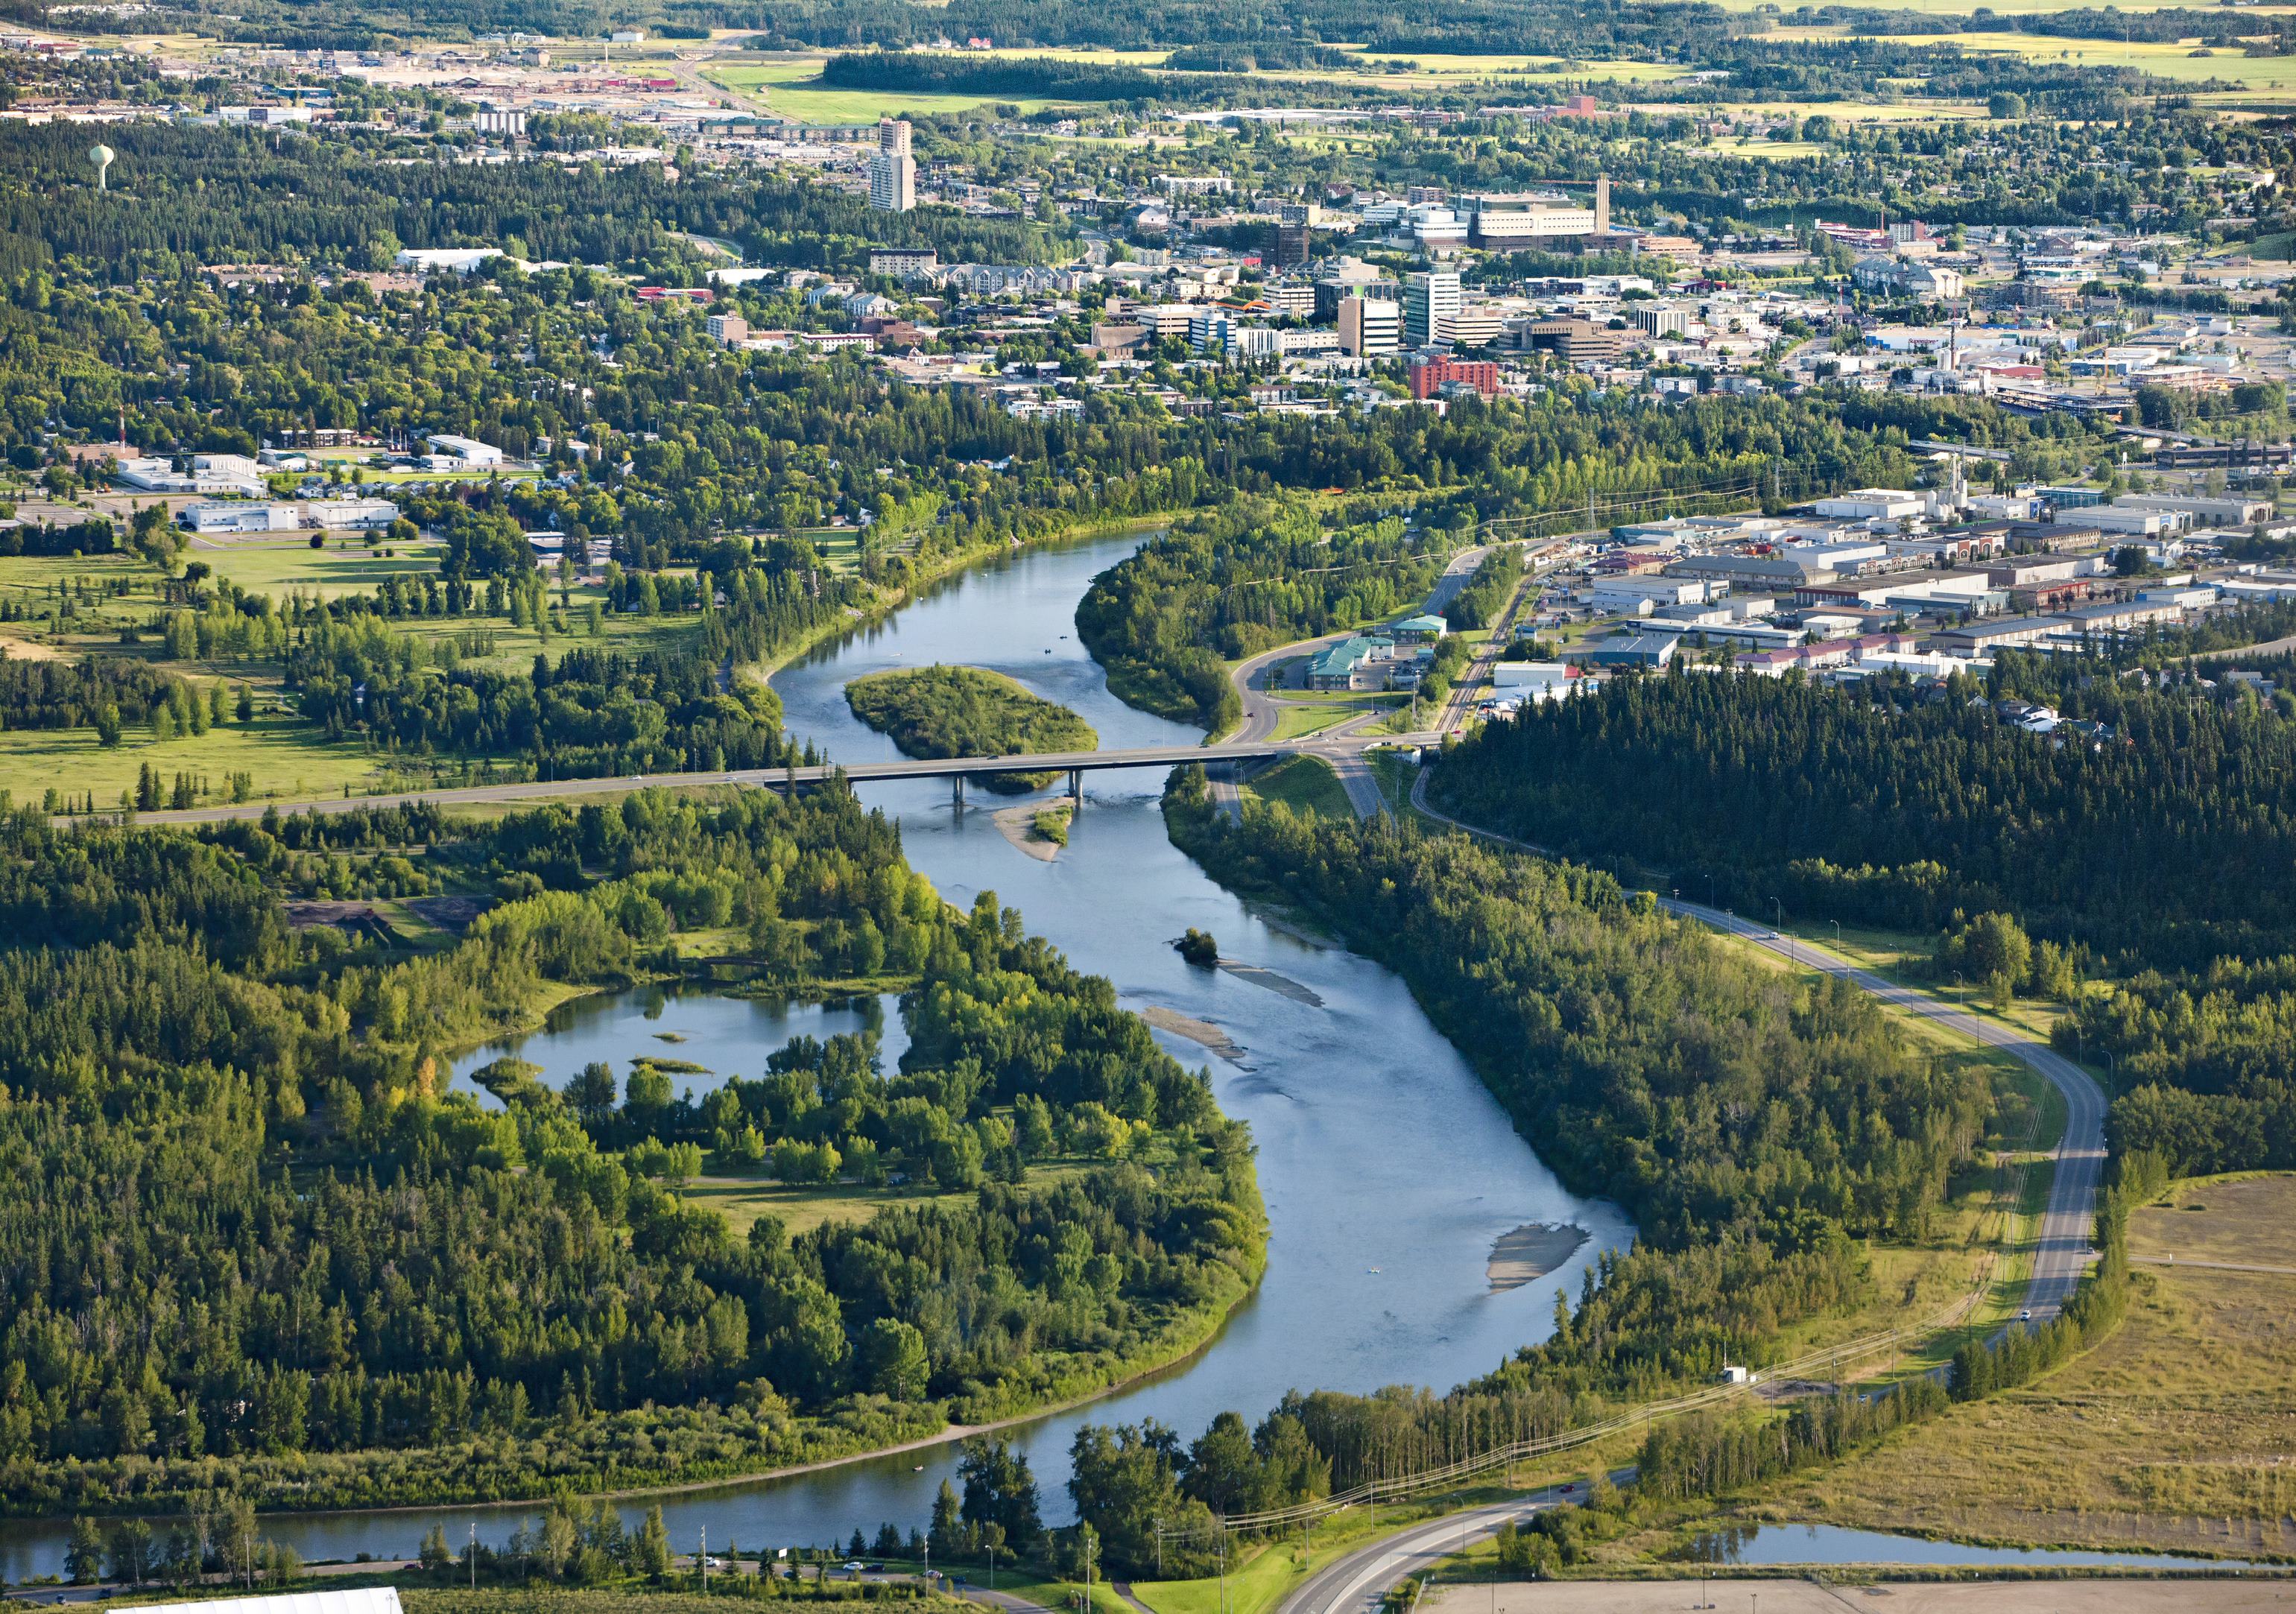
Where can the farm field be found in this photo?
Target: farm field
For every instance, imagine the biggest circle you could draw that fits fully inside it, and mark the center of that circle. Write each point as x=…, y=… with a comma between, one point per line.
x=2162, y=1437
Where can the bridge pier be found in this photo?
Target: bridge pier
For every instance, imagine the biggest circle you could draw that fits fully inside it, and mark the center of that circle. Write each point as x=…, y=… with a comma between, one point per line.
x=957, y=783
x=1076, y=784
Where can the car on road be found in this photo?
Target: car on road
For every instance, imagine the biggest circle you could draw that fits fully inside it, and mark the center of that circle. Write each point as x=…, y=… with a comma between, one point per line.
x=2025, y=1315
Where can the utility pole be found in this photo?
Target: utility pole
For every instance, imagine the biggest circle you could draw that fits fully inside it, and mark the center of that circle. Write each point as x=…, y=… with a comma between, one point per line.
x=473, y=1554
x=705, y=1561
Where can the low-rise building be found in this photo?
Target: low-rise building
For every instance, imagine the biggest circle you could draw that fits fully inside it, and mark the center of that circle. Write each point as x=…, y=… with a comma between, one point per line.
x=470, y=451
x=240, y=518
x=1641, y=652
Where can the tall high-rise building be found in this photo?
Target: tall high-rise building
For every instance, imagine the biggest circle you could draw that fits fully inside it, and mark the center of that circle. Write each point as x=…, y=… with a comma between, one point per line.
x=892, y=171
x=1370, y=327
x=1290, y=239
x=1430, y=301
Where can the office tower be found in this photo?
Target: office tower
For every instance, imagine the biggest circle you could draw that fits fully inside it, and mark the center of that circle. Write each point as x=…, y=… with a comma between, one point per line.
x=1370, y=327
x=1430, y=302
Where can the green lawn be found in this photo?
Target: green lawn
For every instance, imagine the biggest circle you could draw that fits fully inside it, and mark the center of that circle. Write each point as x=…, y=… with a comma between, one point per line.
x=1305, y=784
x=2182, y=61
x=1295, y=720
x=273, y=565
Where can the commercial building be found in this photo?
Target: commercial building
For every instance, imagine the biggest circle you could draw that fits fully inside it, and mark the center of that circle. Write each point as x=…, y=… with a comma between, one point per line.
x=1353, y=278
x=1352, y=663
x=728, y=329
x=1641, y=594
x=1430, y=301
x=892, y=171
x=213, y=474
x=1660, y=319
x=1872, y=504
x=358, y=514
x=469, y=450
x=1370, y=327
x=240, y=518
x=1575, y=341
x=2230, y=511
x=1644, y=652
x=1289, y=239
x=1211, y=330
x=1535, y=680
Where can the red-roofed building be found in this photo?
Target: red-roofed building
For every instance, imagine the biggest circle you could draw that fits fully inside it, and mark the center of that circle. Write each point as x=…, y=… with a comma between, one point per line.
x=1430, y=376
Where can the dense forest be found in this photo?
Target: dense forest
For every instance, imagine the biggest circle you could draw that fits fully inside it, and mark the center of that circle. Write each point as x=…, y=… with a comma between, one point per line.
x=248, y=1241
x=2144, y=837
x=963, y=711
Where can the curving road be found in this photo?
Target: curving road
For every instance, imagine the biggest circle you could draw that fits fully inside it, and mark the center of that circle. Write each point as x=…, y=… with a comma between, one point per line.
x=2063, y=1251
x=1355, y=1582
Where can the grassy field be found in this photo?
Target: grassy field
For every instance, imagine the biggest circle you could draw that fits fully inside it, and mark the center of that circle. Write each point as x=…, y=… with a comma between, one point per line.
x=284, y=757
x=741, y=1200
x=274, y=565
x=1305, y=784
x=2167, y=1437
x=2184, y=61
x=1295, y=720
x=284, y=754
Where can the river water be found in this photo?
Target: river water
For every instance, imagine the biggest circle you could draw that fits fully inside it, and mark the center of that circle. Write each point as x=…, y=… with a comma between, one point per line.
x=1387, y=1170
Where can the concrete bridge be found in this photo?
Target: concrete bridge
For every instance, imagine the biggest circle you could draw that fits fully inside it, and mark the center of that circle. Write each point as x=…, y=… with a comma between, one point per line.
x=1075, y=764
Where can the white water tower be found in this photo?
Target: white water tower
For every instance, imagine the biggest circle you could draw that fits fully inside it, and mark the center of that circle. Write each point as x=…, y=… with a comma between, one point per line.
x=101, y=156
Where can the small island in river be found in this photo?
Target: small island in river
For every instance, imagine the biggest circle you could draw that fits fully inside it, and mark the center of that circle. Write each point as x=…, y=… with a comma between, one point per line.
x=932, y=712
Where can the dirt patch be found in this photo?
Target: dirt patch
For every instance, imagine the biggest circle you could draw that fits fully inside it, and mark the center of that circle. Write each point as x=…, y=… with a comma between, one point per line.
x=1284, y=984
x=356, y=919
x=448, y=913
x=1532, y=1250
x=19, y=650
x=1201, y=1032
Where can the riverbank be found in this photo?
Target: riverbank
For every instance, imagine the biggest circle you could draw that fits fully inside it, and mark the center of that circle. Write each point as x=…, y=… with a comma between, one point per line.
x=922, y=580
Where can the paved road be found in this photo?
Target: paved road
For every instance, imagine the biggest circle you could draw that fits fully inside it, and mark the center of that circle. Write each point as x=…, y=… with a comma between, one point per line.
x=2064, y=1250
x=1261, y=711
x=1355, y=1582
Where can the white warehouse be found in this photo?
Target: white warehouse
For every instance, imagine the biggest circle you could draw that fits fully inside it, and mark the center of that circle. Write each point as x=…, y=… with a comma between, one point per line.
x=240, y=517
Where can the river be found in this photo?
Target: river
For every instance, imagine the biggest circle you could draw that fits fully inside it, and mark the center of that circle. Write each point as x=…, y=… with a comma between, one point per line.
x=1388, y=1171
